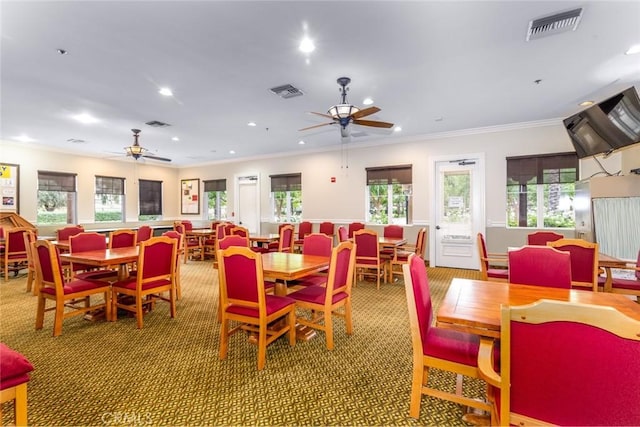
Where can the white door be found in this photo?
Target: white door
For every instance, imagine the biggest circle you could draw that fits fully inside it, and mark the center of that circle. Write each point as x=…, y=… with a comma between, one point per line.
x=247, y=206
x=458, y=212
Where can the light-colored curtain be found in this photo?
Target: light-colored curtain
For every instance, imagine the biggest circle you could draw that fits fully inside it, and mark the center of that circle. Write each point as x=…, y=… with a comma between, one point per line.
x=617, y=226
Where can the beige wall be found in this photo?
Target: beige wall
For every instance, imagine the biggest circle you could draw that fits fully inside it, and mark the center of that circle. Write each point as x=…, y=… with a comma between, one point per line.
x=340, y=202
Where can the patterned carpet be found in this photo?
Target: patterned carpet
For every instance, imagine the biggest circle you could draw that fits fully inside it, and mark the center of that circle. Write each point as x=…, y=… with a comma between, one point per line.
x=168, y=373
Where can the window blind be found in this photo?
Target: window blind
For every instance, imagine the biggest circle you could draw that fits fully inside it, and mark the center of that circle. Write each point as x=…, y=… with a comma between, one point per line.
x=215, y=185
x=386, y=175
x=109, y=185
x=286, y=182
x=559, y=168
x=150, y=197
x=56, y=181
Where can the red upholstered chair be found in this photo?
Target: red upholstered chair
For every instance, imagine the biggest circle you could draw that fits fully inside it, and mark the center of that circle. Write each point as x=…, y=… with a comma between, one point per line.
x=433, y=347
x=14, y=376
x=285, y=242
x=273, y=246
x=368, y=261
x=15, y=256
x=122, y=238
x=391, y=230
x=180, y=252
x=564, y=363
x=316, y=244
x=624, y=285
x=327, y=228
x=156, y=274
x=240, y=231
x=402, y=254
x=244, y=301
x=323, y=302
x=30, y=237
x=192, y=245
x=584, y=262
x=144, y=233
x=355, y=226
x=343, y=234
x=540, y=265
x=90, y=241
x=491, y=263
x=540, y=238
x=64, y=294
x=304, y=228
x=225, y=243
x=66, y=232
x=209, y=244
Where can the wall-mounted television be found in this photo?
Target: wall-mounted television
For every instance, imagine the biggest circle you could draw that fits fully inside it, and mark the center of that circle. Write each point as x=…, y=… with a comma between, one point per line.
x=607, y=126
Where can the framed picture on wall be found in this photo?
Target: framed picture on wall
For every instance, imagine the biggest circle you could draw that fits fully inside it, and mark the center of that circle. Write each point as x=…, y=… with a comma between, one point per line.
x=10, y=187
x=190, y=196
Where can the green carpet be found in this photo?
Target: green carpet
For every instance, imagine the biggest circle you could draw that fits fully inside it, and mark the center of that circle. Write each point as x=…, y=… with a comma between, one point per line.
x=168, y=373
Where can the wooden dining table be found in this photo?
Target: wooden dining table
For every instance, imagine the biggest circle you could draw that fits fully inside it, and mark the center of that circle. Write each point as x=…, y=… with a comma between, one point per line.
x=284, y=267
x=607, y=263
x=474, y=305
x=105, y=258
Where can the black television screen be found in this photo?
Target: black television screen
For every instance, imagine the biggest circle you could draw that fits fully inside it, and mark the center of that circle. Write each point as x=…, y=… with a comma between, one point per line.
x=606, y=126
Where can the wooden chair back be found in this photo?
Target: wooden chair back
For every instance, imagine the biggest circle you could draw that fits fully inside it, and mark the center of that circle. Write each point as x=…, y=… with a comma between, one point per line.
x=66, y=232
x=486, y=259
x=355, y=226
x=541, y=238
x=393, y=230
x=343, y=234
x=123, y=238
x=285, y=243
x=318, y=244
x=584, y=261
x=327, y=228
x=554, y=351
x=240, y=231
x=15, y=251
x=541, y=266
x=29, y=238
x=144, y=233
x=304, y=228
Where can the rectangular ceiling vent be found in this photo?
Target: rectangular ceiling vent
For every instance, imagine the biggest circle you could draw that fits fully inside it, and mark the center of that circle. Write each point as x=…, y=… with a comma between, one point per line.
x=554, y=24
x=286, y=91
x=157, y=124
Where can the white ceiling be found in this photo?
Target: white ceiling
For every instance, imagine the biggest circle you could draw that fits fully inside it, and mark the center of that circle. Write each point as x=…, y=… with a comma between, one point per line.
x=467, y=63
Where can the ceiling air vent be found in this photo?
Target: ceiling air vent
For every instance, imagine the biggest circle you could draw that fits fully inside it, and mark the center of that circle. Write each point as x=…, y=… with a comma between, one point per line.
x=554, y=24
x=286, y=91
x=157, y=124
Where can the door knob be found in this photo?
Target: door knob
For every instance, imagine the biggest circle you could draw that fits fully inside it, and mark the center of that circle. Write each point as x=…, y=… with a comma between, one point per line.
x=437, y=227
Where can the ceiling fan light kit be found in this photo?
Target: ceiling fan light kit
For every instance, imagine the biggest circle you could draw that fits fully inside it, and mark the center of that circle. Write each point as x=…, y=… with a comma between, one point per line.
x=345, y=113
x=136, y=151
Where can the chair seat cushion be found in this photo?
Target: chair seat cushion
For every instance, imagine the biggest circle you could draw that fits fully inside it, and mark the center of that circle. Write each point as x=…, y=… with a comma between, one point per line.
x=97, y=275
x=260, y=249
x=274, y=303
x=498, y=273
x=621, y=283
x=17, y=257
x=316, y=295
x=452, y=345
x=130, y=283
x=311, y=280
x=76, y=285
x=14, y=367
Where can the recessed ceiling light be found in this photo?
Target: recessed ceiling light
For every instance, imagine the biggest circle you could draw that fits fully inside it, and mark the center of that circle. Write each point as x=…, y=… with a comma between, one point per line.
x=232, y=152
x=306, y=45
x=85, y=118
x=397, y=129
x=367, y=101
x=175, y=138
x=23, y=138
x=586, y=103
x=301, y=142
x=252, y=124
x=633, y=50
x=165, y=91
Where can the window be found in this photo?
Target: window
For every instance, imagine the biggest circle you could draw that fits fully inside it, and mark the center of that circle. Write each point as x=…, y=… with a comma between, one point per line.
x=541, y=190
x=215, y=195
x=150, y=197
x=389, y=195
x=286, y=197
x=109, y=199
x=56, y=198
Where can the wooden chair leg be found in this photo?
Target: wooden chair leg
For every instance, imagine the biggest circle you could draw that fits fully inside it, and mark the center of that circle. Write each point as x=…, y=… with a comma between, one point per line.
x=20, y=408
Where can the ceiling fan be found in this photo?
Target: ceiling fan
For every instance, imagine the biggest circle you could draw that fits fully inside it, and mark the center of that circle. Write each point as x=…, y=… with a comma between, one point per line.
x=345, y=113
x=136, y=151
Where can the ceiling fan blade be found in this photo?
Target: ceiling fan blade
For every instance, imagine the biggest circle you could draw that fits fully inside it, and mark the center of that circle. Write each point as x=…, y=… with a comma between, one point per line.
x=321, y=114
x=366, y=112
x=317, y=126
x=373, y=123
x=149, y=156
